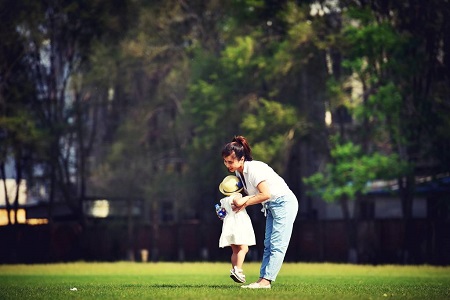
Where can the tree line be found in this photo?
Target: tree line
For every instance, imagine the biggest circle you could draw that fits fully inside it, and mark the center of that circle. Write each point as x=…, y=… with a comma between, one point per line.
x=135, y=98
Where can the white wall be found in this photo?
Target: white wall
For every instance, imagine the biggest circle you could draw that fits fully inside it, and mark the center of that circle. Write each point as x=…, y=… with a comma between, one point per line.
x=11, y=190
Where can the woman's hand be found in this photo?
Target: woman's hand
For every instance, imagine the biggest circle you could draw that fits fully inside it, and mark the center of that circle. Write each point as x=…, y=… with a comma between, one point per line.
x=239, y=203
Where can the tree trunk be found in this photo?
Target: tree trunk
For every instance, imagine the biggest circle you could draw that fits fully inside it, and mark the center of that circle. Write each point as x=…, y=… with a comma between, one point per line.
x=130, y=229
x=155, y=232
x=350, y=226
x=406, y=189
x=18, y=180
x=8, y=204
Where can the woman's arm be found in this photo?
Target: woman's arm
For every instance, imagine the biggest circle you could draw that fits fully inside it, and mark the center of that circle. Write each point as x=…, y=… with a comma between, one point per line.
x=237, y=200
x=263, y=195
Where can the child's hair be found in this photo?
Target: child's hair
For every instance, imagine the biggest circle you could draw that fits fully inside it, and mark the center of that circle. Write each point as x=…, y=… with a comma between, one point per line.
x=240, y=147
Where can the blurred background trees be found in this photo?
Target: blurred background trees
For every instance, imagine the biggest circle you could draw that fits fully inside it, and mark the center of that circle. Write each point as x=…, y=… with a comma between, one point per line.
x=135, y=99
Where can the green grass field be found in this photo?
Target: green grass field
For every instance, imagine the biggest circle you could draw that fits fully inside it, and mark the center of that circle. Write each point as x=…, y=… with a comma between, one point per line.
x=126, y=280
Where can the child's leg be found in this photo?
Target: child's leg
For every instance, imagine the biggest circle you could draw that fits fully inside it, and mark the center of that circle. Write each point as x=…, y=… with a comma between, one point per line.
x=235, y=250
x=238, y=255
x=237, y=260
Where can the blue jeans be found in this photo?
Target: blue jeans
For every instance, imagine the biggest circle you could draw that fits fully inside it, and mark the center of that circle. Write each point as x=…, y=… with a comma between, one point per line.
x=280, y=218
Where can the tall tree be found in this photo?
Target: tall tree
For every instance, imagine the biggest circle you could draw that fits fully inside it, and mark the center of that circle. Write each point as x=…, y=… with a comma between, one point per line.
x=400, y=68
x=21, y=136
x=406, y=82
x=54, y=39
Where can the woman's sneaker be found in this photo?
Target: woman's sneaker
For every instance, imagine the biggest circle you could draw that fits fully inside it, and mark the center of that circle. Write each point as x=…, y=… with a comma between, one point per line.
x=256, y=285
x=237, y=275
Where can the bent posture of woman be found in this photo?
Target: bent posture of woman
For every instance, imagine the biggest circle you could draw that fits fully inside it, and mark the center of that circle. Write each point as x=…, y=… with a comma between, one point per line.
x=263, y=185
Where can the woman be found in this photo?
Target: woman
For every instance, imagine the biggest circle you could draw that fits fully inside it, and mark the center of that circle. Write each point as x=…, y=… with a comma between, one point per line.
x=263, y=185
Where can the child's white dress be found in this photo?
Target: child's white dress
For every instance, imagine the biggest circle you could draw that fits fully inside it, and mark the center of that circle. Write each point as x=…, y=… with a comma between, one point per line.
x=237, y=228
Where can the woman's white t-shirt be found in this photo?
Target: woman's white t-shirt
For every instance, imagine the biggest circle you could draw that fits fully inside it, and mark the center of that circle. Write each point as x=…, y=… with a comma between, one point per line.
x=257, y=171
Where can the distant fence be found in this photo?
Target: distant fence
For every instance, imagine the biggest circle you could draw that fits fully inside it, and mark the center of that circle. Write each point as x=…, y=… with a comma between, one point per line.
x=379, y=242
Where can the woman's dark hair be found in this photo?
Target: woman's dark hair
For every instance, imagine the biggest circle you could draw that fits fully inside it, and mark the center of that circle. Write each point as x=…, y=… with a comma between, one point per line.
x=240, y=147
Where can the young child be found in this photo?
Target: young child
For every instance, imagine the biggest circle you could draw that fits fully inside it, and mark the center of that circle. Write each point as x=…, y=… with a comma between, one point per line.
x=237, y=228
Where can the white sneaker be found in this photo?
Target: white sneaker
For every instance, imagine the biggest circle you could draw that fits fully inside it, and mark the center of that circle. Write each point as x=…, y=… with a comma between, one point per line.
x=256, y=285
x=237, y=275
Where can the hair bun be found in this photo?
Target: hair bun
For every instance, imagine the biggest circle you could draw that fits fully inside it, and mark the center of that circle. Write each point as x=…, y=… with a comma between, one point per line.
x=239, y=139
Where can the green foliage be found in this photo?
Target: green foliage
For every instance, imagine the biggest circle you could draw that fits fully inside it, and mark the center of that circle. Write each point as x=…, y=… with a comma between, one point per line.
x=239, y=59
x=189, y=75
x=383, y=111
x=388, y=100
x=214, y=106
x=373, y=41
x=336, y=93
x=351, y=171
x=301, y=30
x=223, y=103
x=294, y=49
x=218, y=90
x=269, y=127
x=21, y=128
x=270, y=118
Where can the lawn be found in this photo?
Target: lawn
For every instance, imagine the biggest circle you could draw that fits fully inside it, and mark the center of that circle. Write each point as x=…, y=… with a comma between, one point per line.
x=126, y=280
